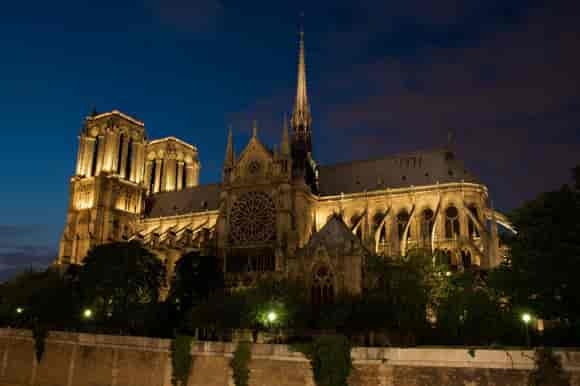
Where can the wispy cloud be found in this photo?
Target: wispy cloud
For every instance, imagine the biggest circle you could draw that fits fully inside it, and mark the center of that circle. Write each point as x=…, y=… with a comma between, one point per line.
x=23, y=247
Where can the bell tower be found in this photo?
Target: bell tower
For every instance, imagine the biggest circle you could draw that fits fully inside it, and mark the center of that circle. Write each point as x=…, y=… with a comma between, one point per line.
x=106, y=191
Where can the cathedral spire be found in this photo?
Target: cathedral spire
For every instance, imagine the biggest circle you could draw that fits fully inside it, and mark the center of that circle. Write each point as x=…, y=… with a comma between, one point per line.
x=229, y=161
x=301, y=114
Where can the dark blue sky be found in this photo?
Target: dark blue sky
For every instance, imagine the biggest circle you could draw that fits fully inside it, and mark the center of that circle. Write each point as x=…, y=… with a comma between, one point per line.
x=383, y=77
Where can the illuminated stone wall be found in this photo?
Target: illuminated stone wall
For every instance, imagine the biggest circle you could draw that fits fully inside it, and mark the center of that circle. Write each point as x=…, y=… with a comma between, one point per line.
x=95, y=360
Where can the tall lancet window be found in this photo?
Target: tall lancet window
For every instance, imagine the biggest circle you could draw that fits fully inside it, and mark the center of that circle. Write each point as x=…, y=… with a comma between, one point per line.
x=402, y=221
x=323, y=286
x=427, y=220
x=451, y=223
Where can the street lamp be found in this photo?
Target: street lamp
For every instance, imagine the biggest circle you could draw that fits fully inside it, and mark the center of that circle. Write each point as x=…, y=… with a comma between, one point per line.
x=19, y=310
x=87, y=313
x=526, y=318
x=272, y=316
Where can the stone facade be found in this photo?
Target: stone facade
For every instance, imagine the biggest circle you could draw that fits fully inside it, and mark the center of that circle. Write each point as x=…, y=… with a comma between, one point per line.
x=276, y=211
x=94, y=360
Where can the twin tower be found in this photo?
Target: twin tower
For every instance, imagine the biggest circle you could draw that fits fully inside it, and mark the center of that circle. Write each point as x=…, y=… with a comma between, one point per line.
x=118, y=168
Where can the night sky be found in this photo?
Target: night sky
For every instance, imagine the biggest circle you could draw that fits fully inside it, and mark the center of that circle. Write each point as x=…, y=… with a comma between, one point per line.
x=383, y=77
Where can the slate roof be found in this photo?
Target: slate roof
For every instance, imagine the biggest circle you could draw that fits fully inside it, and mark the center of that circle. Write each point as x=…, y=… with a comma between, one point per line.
x=398, y=171
x=196, y=199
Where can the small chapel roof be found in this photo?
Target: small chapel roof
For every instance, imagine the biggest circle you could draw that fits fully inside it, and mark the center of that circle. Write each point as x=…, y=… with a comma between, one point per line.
x=397, y=171
x=190, y=200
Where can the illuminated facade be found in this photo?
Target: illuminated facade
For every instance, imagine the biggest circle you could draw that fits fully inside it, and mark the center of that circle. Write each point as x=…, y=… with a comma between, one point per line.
x=275, y=212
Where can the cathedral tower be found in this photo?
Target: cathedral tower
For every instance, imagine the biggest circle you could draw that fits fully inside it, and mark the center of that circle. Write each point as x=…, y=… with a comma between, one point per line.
x=107, y=188
x=303, y=163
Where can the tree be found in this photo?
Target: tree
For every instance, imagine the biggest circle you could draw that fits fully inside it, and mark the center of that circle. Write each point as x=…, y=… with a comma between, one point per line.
x=401, y=289
x=545, y=255
x=121, y=281
x=43, y=297
x=195, y=278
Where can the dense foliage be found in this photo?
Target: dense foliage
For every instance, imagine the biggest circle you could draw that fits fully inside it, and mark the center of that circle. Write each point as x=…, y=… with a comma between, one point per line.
x=181, y=360
x=330, y=359
x=239, y=364
x=122, y=282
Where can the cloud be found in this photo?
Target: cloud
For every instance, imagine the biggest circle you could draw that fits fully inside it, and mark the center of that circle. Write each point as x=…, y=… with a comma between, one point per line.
x=512, y=98
x=23, y=247
x=188, y=15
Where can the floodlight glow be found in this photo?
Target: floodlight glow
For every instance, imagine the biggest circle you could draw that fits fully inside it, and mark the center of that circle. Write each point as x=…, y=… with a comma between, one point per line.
x=87, y=313
x=272, y=316
x=19, y=310
x=526, y=318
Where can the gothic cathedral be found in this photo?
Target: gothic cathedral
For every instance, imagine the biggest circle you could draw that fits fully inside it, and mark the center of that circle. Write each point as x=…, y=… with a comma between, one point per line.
x=276, y=211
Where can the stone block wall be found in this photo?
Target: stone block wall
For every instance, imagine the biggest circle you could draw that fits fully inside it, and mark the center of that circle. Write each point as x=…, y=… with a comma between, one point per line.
x=73, y=359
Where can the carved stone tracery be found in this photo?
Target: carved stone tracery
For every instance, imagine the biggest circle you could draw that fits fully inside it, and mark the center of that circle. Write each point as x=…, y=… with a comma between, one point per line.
x=253, y=218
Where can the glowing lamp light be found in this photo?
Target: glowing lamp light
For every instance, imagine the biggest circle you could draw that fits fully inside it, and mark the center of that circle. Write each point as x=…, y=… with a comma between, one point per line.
x=88, y=313
x=272, y=316
x=19, y=310
x=448, y=273
x=526, y=318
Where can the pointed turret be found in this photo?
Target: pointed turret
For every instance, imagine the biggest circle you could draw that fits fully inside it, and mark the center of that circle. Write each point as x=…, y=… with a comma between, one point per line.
x=230, y=156
x=285, y=143
x=255, y=129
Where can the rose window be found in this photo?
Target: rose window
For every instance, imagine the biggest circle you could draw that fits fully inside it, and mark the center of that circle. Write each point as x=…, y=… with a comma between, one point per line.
x=253, y=218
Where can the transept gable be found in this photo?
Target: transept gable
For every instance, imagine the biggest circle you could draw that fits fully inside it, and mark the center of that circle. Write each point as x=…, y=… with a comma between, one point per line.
x=335, y=238
x=255, y=160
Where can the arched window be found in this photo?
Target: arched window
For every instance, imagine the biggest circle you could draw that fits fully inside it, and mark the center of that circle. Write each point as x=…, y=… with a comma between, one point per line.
x=466, y=259
x=402, y=221
x=427, y=220
x=120, y=154
x=451, y=223
x=472, y=228
x=323, y=286
x=129, y=157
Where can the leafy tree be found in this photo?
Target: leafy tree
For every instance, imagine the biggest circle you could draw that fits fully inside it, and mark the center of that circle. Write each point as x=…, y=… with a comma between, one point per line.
x=195, y=278
x=545, y=254
x=400, y=290
x=122, y=281
x=43, y=298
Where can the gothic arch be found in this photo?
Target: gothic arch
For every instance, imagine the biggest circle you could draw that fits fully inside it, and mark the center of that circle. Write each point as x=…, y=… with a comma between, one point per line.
x=323, y=285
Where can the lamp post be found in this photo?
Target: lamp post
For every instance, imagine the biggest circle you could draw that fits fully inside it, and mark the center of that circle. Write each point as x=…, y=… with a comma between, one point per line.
x=87, y=313
x=526, y=318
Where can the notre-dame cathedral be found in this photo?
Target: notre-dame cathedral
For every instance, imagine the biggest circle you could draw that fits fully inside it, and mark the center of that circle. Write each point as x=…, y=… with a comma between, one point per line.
x=276, y=211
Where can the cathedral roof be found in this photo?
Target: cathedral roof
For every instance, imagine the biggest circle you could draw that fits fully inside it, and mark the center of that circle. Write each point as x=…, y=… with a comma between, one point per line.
x=398, y=171
x=196, y=199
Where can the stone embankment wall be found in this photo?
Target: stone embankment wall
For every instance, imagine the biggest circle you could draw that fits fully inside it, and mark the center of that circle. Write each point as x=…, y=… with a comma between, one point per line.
x=73, y=359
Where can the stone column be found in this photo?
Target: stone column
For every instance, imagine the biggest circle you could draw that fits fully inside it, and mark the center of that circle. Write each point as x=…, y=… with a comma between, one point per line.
x=89, y=154
x=124, y=154
x=80, y=156
x=140, y=169
x=157, y=182
x=179, y=184
x=148, y=169
x=189, y=175
x=134, y=162
x=169, y=174
x=111, y=142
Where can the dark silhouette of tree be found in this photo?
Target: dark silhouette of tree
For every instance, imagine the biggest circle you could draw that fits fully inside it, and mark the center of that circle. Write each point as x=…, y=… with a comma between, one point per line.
x=122, y=282
x=195, y=278
x=43, y=297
